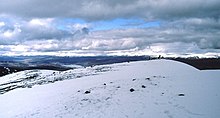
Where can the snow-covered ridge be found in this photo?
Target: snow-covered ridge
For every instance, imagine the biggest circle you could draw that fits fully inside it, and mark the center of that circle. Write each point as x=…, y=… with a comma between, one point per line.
x=29, y=78
x=154, y=89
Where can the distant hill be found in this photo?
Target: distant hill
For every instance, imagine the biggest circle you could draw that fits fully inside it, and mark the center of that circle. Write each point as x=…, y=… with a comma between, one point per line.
x=14, y=64
x=201, y=63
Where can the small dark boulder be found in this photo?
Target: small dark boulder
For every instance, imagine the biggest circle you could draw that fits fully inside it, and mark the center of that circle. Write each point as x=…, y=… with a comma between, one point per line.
x=143, y=86
x=104, y=84
x=181, y=94
x=132, y=90
x=133, y=79
x=87, y=92
x=147, y=78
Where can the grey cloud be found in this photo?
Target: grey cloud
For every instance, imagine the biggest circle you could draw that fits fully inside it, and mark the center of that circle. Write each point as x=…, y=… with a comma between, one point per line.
x=110, y=9
x=42, y=33
x=192, y=23
x=204, y=34
x=209, y=43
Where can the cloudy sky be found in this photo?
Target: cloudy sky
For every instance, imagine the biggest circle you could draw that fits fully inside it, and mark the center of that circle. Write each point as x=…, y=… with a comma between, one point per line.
x=110, y=27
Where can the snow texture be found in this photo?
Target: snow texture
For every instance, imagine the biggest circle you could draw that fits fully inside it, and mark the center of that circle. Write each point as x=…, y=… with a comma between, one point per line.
x=144, y=89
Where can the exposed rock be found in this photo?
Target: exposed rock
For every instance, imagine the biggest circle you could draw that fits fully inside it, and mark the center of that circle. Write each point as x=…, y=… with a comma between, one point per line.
x=132, y=90
x=87, y=92
x=181, y=94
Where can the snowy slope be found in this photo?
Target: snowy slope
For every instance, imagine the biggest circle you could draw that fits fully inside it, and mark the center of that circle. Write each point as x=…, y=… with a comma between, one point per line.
x=161, y=89
x=29, y=78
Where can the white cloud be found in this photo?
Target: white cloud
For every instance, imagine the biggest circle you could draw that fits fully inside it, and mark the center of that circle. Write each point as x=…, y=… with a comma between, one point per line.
x=79, y=26
x=9, y=36
x=19, y=48
x=41, y=22
x=2, y=24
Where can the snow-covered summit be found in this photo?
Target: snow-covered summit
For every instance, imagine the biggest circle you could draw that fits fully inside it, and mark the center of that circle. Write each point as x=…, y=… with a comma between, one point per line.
x=158, y=88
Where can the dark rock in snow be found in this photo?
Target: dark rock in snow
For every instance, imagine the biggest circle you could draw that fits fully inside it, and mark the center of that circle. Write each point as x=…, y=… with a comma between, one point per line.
x=104, y=84
x=143, y=86
x=181, y=94
x=147, y=78
x=87, y=92
x=132, y=90
x=133, y=79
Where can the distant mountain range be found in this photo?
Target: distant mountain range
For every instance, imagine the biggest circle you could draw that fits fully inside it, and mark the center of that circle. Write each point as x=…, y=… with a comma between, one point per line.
x=11, y=64
x=20, y=63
